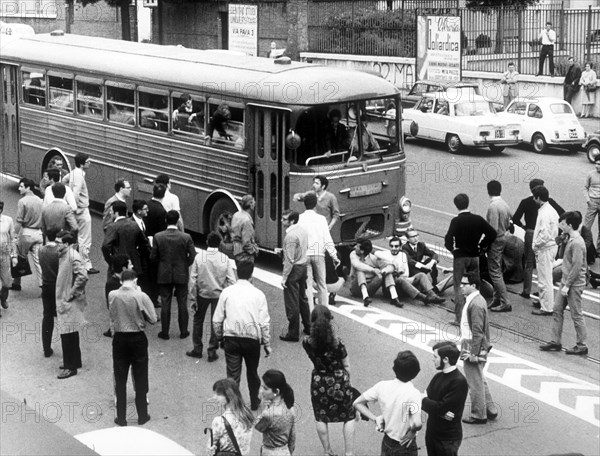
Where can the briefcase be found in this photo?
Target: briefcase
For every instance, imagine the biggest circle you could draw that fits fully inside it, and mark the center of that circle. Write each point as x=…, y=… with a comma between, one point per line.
x=22, y=268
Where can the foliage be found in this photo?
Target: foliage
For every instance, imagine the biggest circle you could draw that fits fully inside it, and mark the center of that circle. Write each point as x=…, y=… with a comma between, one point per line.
x=493, y=4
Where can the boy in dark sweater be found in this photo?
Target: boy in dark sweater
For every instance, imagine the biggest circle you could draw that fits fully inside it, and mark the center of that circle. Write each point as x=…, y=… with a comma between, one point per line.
x=464, y=240
x=444, y=402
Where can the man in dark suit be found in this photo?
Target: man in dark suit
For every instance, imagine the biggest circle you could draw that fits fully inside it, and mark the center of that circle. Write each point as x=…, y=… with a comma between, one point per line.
x=420, y=257
x=58, y=215
x=155, y=218
x=173, y=252
x=124, y=236
x=571, y=83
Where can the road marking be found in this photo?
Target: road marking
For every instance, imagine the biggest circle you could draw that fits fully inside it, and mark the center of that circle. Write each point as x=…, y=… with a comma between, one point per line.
x=434, y=210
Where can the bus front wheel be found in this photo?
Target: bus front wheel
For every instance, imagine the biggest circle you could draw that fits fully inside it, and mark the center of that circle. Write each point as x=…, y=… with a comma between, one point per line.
x=220, y=221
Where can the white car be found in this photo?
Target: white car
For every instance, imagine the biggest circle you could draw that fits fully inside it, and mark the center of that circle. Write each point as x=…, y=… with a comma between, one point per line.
x=464, y=121
x=547, y=122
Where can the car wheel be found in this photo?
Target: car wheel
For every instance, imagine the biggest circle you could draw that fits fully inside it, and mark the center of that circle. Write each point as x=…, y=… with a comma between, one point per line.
x=593, y=151
x=453, y=144
x=539, y=143
x=497, y=149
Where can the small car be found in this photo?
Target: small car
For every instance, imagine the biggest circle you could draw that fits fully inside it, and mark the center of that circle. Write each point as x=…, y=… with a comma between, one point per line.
x=592, y=146
x=469, y=120
x=426, y=86
x=547, y=122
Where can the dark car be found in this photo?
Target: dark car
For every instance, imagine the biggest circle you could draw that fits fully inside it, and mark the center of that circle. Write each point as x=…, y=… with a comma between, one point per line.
x=426, y=86
x=592, y=146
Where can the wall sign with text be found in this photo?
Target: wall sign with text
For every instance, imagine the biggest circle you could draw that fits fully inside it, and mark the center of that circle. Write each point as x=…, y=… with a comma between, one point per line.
x=439, y=48
x=243, y=28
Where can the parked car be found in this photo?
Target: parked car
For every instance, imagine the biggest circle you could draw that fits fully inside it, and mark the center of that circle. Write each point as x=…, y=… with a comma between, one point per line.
x=426, y=86
x=547, y=122
x=592, y=146
x=469, y=120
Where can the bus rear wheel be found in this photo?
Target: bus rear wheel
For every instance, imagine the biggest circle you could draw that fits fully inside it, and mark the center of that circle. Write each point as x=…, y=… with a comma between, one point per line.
x=219, y=220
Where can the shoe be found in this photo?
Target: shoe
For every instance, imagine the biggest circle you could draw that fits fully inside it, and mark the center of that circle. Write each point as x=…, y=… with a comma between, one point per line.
x=502, y=309
x=107, y=333
x=577, y=350
x=472, y=420
x=493, y=305
x=213, y=357
x=143, y=420
x=541, y=313
x=492, y=416
x=306, y=331
x=396, y=303
x=49, y=353
x=164, y=336
x=367, y=301
x=525, y=295
x=66, y=373
x=184, y=335
x=4, y=304
x=551, y=346
x=15, y=287
x=288, y=338
x=193, y=354
x=119, y=422
x=93, y=271
x=432, y=298
x=332, y=299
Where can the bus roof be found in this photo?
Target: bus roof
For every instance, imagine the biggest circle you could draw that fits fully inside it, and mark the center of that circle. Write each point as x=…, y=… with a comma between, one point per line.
x=244, y=77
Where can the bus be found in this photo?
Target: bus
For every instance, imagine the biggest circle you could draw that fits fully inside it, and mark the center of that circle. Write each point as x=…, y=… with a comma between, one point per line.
x=251, y=125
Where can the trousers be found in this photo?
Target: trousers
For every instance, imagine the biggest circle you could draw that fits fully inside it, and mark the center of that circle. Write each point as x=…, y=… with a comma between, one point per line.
x=462, y=266
x=84, y=235
x=481, y=398
x=573, y=299
x=49, y=306
x=437, y=447
x=198, y=325
x=592, y=212
x=544, y=259
x=391, y=447
x=295, y=300
x=166, y=296
x=29, y=244
x=130, y=349
x=71, y=350
x=238, y=349
x=494, y=257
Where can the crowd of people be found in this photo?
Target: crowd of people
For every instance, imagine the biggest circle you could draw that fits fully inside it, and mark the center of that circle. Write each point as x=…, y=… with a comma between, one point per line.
x=150, y=258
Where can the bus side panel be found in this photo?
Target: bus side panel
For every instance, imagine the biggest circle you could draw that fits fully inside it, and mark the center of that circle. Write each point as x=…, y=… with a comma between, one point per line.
x=9, y=131
x=121, y=152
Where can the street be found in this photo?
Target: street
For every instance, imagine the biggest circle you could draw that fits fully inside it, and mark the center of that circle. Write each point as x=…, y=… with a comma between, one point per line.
x=548, y=402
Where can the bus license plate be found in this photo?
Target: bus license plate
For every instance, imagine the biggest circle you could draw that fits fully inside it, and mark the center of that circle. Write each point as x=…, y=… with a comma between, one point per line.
x=499, y=134
x=364, y=190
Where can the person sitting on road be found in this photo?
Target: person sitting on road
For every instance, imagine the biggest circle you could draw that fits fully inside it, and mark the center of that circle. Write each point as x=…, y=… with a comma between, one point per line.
x=420, y=257
x=365, y=276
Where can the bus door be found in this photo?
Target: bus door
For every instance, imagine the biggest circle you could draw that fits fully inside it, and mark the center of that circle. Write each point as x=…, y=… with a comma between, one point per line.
x=270, y=173
x=8, y=114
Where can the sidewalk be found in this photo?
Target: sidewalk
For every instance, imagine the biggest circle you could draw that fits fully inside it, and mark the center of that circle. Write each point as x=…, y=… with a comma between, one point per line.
x=590, y=125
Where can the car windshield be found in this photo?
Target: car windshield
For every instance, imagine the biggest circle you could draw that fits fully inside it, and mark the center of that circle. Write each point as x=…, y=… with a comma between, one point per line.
x=473, y=108
x=331, y=134
x=561, y=108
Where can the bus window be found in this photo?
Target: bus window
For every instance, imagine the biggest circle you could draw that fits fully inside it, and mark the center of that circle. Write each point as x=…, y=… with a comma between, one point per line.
x=61, y=93
x=188, y=114
x=154, y=111
x=120, y=105
x=227, y=122
x=34, y=88
x=378, y=128
x=89, y=99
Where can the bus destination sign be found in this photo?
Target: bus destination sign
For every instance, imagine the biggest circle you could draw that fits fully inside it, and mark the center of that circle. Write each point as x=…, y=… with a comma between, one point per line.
x=365, y=190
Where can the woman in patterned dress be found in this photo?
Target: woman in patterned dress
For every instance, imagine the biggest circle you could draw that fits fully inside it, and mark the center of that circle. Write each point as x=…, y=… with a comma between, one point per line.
x=331, y=396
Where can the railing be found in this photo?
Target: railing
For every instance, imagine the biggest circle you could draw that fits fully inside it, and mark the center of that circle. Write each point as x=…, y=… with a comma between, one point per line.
x=491, y=37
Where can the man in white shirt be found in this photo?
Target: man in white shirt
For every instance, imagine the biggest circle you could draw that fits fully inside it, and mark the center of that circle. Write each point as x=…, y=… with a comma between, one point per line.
x=122, y=192
x=76, y=180
x=548, y=38
x=545, y=248
x=54, y=177
x=400, y=405
x=319, y=241
x=170, y=201
x=241, y=322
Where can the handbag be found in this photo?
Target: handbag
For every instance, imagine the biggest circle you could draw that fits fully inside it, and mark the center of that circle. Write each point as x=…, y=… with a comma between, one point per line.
x=231, y=435
x=22, y=268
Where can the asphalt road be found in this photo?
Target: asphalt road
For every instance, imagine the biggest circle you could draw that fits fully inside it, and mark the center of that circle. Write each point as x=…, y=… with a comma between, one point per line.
x=549, y=402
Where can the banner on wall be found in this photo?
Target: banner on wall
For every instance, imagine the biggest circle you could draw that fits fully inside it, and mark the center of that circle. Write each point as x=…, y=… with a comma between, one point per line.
x=243, y=28
x=438, y=48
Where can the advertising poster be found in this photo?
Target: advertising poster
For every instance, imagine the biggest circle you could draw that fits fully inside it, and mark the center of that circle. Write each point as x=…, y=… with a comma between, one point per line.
x=243, y=28
x=438, y=48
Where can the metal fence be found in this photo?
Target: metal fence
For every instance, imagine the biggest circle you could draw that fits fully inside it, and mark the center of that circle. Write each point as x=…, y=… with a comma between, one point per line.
x=491, y=37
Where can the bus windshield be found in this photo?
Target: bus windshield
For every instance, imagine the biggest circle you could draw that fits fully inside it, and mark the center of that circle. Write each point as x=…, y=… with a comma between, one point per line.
x=346, y=132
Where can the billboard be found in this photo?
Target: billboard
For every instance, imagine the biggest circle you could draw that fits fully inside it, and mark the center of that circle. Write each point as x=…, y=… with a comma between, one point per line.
x=438, y=48
x=243, y=28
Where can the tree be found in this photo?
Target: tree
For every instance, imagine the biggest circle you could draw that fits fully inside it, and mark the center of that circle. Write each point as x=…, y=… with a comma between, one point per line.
x=499, y=7
x=123, y=5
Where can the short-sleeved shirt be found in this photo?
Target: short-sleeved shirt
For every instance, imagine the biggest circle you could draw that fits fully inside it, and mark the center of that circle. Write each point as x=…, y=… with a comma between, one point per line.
x=397, y=401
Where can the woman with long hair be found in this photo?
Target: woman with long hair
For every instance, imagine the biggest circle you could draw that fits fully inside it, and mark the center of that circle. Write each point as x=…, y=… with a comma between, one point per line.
x=278, y=418
x=330, y=388
x=236, y=415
